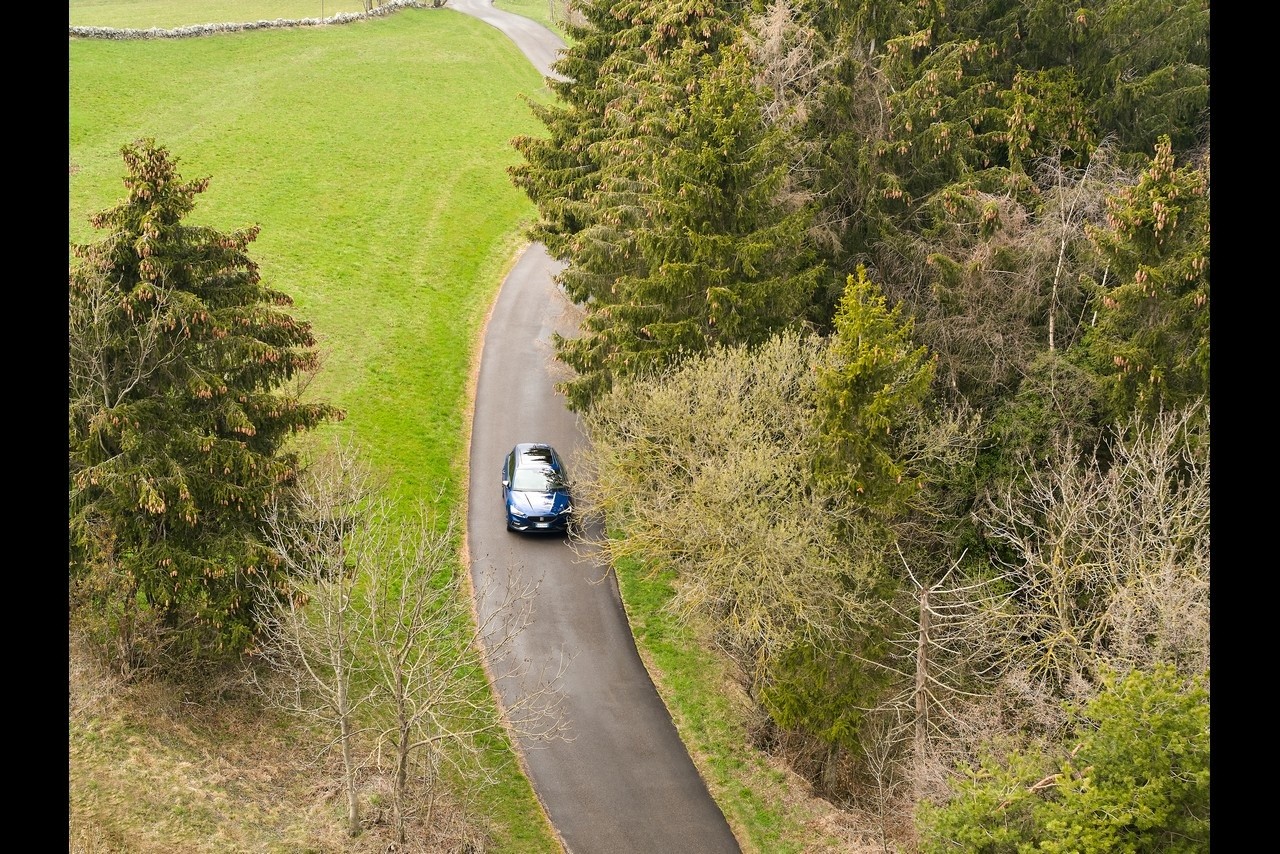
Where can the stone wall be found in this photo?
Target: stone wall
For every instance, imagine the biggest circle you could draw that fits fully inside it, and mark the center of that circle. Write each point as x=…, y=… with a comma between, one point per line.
x=194, y=30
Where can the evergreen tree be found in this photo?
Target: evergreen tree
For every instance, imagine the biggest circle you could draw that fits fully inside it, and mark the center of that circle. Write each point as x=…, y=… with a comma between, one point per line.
x=878, y=379
x=837, y=127
x=982, y=87
x=662, y=185
x=980, y=92
x=1133, y=778
x=981, y=96
x=560, y=170
x=1151, y=341
x=1146, y=70
x=716, y=256
x=178, y=415
x=584, y=175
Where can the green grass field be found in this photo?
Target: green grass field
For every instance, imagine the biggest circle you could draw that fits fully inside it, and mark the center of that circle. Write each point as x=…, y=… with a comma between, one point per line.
x=166, y=14
x=145, y=14
x=372, y=156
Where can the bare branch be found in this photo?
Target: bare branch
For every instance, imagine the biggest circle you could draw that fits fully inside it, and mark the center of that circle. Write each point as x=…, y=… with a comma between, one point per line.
x=314, y=625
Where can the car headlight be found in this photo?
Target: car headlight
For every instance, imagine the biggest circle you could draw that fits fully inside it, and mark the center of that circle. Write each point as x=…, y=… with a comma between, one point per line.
x=516, y=511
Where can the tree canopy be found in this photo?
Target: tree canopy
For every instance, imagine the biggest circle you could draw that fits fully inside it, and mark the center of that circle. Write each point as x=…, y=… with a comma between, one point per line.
x=878, y=377
x=994, y=217
x=1151, y=343
x=662, y=185
x=1133, y=777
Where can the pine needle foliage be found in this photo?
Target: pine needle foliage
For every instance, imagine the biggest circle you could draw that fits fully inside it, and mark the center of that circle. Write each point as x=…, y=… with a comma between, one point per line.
x=1151, y=342
x=880, y=377
x=180, y=409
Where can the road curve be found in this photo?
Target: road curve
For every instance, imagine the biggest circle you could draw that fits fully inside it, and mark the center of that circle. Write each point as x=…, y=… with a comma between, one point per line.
x=622, y=781
x=537, y=43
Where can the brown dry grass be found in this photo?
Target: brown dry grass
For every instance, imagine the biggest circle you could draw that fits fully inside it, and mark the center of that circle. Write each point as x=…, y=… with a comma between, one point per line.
x=156, y=767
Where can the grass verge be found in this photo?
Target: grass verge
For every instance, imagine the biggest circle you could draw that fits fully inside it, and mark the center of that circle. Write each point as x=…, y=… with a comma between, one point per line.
x=771, y=810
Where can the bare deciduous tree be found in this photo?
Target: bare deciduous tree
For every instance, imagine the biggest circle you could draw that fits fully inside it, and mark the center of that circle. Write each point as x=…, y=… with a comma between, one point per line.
x=788, y=57
x=428, y=657
x=373, y=634
x=1000, y=284
x=942, y=665
x=709, y=468
x=1108, y=570
x=106, y=361
x=314, y=628
x=1111, y=563
x=1074, y=199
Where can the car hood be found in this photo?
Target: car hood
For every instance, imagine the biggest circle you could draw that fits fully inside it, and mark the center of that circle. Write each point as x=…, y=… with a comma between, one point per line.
x=540, y=503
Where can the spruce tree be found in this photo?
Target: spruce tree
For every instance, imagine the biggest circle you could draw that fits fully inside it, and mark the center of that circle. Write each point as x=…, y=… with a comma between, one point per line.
x=662, y=186
x=1151, y=341
x=716, y=255
x=560, y=170
x=878, y=379
x=179, y=415
x=1133, y=776
x=1146, y=71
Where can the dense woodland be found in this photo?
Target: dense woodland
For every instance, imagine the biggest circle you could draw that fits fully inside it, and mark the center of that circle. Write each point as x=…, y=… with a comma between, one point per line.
x=895, y=354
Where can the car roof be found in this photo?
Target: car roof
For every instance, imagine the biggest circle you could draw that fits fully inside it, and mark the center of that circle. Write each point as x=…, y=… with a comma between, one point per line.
x=538, y=454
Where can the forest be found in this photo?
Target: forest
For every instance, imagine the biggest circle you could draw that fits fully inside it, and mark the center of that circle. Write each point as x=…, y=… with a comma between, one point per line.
x=896, y=356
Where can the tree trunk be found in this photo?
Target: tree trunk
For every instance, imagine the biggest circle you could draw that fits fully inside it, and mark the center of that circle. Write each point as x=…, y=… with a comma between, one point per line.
x=402, y=780
x=348, y=766
x=922, y=680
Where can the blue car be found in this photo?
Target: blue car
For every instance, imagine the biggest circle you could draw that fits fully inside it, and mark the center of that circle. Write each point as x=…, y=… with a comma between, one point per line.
x=535, y=489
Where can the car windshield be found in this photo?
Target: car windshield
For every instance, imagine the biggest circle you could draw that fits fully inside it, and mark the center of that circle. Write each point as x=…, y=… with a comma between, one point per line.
x=536, y=480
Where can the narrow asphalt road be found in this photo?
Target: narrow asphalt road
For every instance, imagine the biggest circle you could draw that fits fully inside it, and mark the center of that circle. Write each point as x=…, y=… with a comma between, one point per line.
x=535, y=41
x=620, y=780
